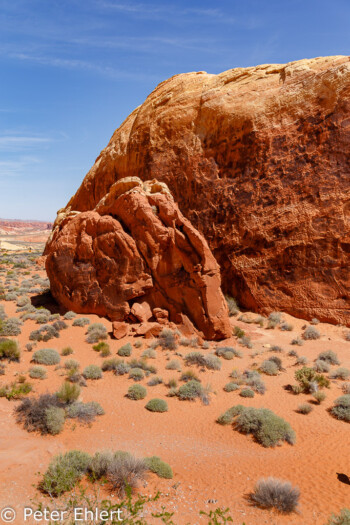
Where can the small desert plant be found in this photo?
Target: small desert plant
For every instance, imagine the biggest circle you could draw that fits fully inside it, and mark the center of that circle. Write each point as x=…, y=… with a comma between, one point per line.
x=46, y=356
x=309, y=380
x=346, y=388
x=276, y=348
x=301, y=360
x=11, y=326
x=60, y=325
x=155, y=381
x=125, y=471
x=167, y=339
x=64, y=471
x=45, y=333
x=32, y=413
x=149, y=353
x=246, y=392
x=54, y=418
x=103, y=348
x=190, y=391
x=173, y=365
x=227, y=352
x=311, y=333
x=238, y=332
x=81, y=321
x=304, y=409
x=71, y=364
x=275, y=493
x=231, y=305
x=137, y=374
x=321, y=366
x=137, y=392
x=125, y=350
x=188, y=375
x=343, y=518
x=9, y=350
x=340, y=373
x=157, y=405
x=269, y=367
x=267, y=428
x=209, y=361
x=231, y=387
x=296, y=341
x=68, y=393
x=110, y=364
x=121, y=369
x=92, y=372
x=245, y=341
x=341, y=409
x=319, y=396
x=69, y=315
x=96, y=332
x=329, y=357
x=37, y=372
x=185, y=341
x=84, y=412
x=67, y=351
x=159, y=467
x=98, y=466
x=227, y=417
x=16, y=390
x=287, y=327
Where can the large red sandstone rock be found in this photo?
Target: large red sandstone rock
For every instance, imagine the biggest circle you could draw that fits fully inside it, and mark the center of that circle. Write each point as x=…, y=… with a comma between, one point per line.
x=136, y=247
x=258, y=160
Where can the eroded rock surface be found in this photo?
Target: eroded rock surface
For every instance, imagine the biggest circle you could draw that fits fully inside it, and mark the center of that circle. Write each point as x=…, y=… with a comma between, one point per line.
x=258, y=160
x=132, y=253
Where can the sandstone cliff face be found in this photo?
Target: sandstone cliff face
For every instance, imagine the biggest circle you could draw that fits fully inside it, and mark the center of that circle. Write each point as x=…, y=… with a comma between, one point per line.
x=258, y=160
x=132, y=253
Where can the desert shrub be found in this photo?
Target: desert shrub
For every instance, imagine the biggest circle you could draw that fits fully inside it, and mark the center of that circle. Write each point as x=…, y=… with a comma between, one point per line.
x=340, y=373
x=68, y=393
x=84, y=412
x=10, y=297
x=188, y=375
x=157, y=405
x=81, y=321
x=159, y=467
x=231, y=387
x=69, y=315
x=304, y=409
x=269, y=367
x=254, y=381
x=16, y=390
x=329, y=357
x=60, y=325
x=67, y=351
x=189, y=391
x=319, y=396
x=301, y=360
x=238, y=332
x=64, y=471
x=125, y=350
x=275, y=493
x=227, y=352
x=98, y=466
x=227, y=417
x=321, y=366
x=167, y=339
x=287, y=327
x=149, y=353
x=343, y=518
x=125, y=471
x=137, y=374
x=11, y=326
x=267, y=428
x=142, y=363
x=32, y=412
x=275, y=317
x=2, y=369
x=347, y=336
x=346, y=388
x=247, y=392
x=245, y=341
x=54, y=417
x=231, y=305
x=9, y=350
x=71, y=364
x=206, y=345
x=121, y=369
x=92, y=372
x=156, y=380
x=341, y=409
x=37, y=372
x=309, y=380
x=311, y=333
x=46, y=356
x=110, y=364
x=138, y=343
x=45, y=333
x=173, y=365
x=172, y=383
x=136, y=392
x=296, y=341
x=96, y=332
x=210, y=361
x=192, y=342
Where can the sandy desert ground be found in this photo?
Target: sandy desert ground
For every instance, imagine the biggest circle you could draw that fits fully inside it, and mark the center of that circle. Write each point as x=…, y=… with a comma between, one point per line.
x=214, y=465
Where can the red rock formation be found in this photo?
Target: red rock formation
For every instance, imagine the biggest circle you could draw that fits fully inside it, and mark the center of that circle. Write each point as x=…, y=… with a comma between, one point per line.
x=136, y=251
x=258, y=160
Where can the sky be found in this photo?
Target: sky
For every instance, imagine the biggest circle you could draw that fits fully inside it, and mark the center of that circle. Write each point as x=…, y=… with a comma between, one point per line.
x=72, y=70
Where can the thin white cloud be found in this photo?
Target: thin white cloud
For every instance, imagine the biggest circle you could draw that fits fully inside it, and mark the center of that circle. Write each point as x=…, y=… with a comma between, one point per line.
x=13, y=143
x=15, y=168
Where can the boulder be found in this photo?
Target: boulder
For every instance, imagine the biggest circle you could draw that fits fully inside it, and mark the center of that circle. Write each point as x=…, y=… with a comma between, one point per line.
x=258, y=160
x=120, y=329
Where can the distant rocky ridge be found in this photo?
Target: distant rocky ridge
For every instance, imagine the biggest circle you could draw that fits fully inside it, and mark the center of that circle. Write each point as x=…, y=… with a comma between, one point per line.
x=258, y=160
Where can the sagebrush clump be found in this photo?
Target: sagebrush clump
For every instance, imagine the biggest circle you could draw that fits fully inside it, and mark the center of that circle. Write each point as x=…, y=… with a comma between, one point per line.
x=275, y=493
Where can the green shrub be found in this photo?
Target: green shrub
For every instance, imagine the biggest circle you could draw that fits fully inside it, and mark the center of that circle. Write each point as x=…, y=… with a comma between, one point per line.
x=341, y=409
x=231, y=387
x=125, y=471
x=304, y=409
x=16, y=390
x=227, y=417
x=188, y=375
x=267, y=428
x=238, y=332
x=125, y=351
x=319, y=396
x=45, y=333
x=96, y=332
x=149, y=353
x=247, y=392
x=167, y=339
x=138, y=343
x=301, y=360
x=99, y=464
x=275, y=493
x=9, y=350
x=121, y=369
x=232, y=305
x=340, y=373
x=64, y=472
x=110, y=364
x=191, y=390
x=54, y=417
x=157, y=405
x=67, y=351
x=84, y=412
x=137, y=392
x=209, y=361
x=343, y=518
x=92, y=372
x=156, y=380
x=71, y=364
x=81, y=321
x=227, y=352
x=309, y=381
x=37, y=372
x=69, y=315
x=329, y=357
x=68, y=393
x=269, y=367
x=321, y=366
x=311, y=333
x=11, y=326
x=245, y=341
x=136, y=374
x=173, y=365
x=159, y=467
x=32, y=412
x=46, y=356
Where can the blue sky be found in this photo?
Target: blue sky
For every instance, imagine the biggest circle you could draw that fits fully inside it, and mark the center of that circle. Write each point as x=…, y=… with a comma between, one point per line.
x=72, y=70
